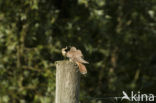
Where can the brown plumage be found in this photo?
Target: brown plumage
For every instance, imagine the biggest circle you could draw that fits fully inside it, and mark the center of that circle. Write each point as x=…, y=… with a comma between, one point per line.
x=76, y=56
x=82, y=68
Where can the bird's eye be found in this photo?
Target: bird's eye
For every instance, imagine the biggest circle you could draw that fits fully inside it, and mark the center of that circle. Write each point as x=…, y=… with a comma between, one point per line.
x=66, y=50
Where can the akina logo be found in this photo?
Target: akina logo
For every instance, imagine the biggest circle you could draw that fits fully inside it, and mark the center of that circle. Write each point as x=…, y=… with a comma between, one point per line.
x=138, y=96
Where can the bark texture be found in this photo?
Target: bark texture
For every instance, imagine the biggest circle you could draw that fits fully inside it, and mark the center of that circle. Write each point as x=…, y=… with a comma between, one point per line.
x=67, y=82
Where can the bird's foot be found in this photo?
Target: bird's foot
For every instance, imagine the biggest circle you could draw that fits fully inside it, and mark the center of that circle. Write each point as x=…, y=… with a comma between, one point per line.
x=77, y=70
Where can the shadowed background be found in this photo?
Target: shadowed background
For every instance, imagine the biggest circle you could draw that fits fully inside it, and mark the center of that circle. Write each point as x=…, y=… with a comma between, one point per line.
x=117, y=37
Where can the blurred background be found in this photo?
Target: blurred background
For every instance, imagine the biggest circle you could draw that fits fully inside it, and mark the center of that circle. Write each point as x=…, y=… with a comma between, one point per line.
x=117, y=37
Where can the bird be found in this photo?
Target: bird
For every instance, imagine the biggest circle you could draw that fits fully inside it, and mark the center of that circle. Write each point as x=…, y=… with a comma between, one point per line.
x=75, y=55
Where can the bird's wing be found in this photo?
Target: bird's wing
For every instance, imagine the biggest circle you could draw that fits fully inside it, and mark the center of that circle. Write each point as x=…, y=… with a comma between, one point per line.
x=76, y=53
x=79, y=53
x=73, y=48
x=80, y=59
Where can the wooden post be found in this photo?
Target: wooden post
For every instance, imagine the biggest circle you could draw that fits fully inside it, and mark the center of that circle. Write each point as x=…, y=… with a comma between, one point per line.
x=67, y=82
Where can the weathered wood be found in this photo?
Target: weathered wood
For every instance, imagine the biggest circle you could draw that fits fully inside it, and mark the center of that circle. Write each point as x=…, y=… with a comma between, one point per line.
x=67, y=82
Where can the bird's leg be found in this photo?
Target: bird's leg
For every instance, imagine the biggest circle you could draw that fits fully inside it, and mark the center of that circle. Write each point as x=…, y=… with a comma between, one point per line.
x=75, y=64
x=72, y=61
x=77, y=70
x=64, y=57
x=77, y=67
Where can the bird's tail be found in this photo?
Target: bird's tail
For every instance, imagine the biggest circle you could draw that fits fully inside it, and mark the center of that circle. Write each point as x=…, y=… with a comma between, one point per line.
x=82, y=68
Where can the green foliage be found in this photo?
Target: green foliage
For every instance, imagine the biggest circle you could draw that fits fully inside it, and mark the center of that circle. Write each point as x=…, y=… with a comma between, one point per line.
x=117, y=37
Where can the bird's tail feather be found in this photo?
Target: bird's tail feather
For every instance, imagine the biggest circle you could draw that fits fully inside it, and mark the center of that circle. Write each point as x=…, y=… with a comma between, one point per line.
x=82, y=68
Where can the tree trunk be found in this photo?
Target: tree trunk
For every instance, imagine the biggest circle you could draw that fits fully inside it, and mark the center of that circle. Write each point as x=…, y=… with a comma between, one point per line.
x=67, y=82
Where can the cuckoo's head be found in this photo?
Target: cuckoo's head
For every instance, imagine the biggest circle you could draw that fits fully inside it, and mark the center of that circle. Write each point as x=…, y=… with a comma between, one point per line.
x=65, y=50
